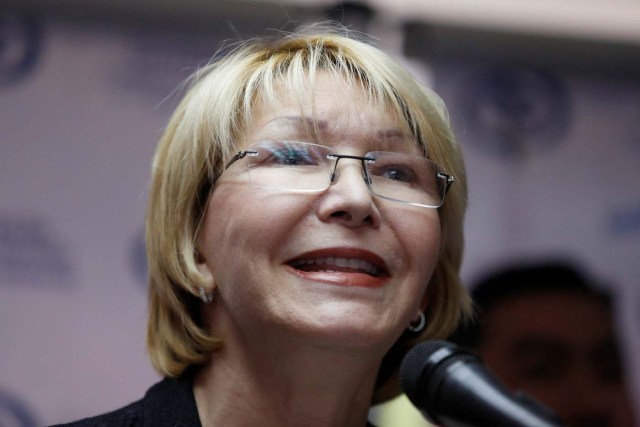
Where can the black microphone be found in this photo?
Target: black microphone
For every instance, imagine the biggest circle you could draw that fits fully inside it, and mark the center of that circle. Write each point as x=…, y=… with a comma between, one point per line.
x=452, y=388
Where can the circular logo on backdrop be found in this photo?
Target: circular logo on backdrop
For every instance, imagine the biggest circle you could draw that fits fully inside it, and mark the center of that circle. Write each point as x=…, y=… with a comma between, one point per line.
x=625, y=221
x=20, y=42
x=513, y=112
x=31, y=254
x=14, y=413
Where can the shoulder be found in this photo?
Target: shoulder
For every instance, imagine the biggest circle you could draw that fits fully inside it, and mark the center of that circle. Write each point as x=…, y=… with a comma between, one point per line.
x=128, y=416
x=169, y=403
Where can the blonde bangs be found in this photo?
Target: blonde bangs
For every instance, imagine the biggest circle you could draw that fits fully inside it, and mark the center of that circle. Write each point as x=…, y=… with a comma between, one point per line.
x=294, y=67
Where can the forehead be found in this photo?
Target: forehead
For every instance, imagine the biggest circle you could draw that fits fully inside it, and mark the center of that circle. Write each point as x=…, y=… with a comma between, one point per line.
x=327, y=109
x=574, y=319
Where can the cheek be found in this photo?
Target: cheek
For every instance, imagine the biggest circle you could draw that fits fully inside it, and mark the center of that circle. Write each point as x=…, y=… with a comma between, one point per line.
x=421, y=237
x=225, y=230
x=244, y=223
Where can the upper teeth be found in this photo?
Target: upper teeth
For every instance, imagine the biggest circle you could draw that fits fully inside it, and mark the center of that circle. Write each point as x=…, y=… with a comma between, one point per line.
x=353, y=263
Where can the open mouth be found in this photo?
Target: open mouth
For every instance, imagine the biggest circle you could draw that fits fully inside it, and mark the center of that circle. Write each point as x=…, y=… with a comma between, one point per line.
x=342, y=266
x=338, y=264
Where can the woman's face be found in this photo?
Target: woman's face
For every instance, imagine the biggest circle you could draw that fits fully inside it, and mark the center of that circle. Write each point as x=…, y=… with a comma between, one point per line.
x=296, y=262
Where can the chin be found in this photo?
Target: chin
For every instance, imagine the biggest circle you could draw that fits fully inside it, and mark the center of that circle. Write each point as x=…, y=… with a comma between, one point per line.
x=354, y=333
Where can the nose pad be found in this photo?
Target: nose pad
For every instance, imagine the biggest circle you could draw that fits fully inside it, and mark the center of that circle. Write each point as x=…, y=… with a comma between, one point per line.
x=366, y=177
x=335, y=174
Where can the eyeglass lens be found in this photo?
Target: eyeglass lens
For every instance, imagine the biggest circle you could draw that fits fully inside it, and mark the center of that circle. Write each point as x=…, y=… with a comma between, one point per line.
x=306, y=167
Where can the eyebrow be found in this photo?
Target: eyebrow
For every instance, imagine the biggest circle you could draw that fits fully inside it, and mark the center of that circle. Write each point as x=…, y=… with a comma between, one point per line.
x=390, y=133
x=310, y=122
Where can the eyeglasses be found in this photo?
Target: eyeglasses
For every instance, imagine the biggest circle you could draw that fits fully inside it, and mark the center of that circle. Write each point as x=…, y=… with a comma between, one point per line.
x=305, y=167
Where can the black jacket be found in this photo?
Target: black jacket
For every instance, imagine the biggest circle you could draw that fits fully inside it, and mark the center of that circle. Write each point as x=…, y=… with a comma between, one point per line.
x=169, y=403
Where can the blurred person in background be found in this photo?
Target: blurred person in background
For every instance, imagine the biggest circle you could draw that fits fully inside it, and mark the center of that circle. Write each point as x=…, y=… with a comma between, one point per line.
x=547, y=329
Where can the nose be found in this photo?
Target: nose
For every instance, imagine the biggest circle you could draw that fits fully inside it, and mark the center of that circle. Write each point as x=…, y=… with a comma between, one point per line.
x=348, y=200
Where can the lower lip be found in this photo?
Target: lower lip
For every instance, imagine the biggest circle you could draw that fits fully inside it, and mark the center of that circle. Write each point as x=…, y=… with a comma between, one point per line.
x=341, y=278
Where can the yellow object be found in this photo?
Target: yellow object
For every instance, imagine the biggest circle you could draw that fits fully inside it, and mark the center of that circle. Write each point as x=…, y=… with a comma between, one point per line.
x=398, y=412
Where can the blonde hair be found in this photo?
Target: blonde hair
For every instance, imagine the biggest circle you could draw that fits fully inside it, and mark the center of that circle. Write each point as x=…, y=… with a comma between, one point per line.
x=207, y=127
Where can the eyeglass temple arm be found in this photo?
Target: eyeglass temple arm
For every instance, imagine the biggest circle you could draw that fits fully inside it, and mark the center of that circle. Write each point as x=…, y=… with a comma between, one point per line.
x=239, y=155
x=448, y=181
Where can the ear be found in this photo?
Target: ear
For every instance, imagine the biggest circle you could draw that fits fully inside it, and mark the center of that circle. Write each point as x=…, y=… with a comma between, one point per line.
x=205, y=273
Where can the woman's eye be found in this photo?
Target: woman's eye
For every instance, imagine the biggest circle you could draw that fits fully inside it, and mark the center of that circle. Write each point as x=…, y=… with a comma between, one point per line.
x=291, y=158
x=398, y=174
x=286, y=158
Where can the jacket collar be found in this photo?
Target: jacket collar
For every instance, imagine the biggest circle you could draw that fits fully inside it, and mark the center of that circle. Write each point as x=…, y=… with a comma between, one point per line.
x=170, y=403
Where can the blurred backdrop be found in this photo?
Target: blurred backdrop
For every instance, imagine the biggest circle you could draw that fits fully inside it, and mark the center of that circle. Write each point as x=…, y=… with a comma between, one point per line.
x=544, y=96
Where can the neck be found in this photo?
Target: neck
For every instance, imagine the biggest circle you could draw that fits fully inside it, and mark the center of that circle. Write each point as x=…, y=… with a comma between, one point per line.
x=285, y=382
